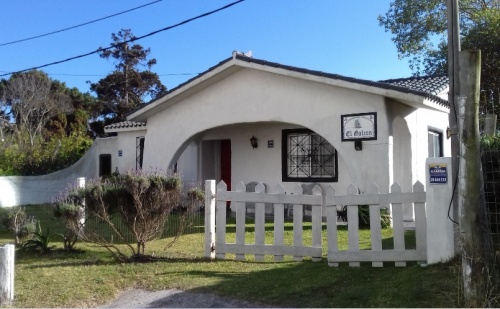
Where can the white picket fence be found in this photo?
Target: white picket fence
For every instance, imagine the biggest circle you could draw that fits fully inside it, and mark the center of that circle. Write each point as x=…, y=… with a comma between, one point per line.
x=215, y=212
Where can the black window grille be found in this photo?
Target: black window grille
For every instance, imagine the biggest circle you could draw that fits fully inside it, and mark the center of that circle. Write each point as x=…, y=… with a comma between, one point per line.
x=307, y=156
x=139, y=152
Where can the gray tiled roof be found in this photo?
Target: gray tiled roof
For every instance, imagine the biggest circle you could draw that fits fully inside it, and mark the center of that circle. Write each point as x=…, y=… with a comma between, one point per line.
x=125, y=124
x=429, y=84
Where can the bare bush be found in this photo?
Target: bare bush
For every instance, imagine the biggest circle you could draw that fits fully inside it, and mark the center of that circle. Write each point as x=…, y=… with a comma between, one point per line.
x=16, y=221
x=137, y=204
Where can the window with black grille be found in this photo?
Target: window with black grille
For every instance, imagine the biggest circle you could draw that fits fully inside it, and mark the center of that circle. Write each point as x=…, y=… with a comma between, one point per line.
x=139, y=152
x=307, y=156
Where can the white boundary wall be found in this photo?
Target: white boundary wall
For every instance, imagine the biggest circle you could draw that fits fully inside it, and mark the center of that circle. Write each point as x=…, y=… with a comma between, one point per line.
x=26, y=190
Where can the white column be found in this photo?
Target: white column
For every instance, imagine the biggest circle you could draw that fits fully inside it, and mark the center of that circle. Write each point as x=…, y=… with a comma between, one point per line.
x=7, y=255
x=440, y=228
x=209, y=218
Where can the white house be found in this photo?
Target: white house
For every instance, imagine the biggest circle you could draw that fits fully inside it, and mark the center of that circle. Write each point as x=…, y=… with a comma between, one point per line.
x=309, y=126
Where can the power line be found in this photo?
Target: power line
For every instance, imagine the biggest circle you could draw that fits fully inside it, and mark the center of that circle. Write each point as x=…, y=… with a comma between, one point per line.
x=80, y=25
x=128, y=41
x=100, y=75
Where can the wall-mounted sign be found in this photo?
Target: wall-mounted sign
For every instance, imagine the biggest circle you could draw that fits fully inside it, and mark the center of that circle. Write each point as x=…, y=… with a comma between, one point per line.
x=120, y=153
x=361, y=127
x=438, y=173
x=270, y=143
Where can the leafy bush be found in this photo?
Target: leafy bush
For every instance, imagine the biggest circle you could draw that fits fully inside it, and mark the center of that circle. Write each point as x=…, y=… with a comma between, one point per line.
x=15, y=220
x=364, y=217
x=490, y=142
x=43, y=157
x=196, y=197
x=71, y=214
x=40, y=242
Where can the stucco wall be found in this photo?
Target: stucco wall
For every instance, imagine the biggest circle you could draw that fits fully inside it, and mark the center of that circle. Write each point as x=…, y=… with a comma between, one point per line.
x=25, y=190
x=126, y=144
x=264, y=163
x=250, y=96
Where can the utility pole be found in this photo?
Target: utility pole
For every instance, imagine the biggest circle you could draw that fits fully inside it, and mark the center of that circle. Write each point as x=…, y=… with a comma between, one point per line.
x=472, y=213
x=464, y=79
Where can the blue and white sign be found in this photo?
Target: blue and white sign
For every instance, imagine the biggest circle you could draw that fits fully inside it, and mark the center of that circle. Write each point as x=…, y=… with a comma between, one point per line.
x=438, y=173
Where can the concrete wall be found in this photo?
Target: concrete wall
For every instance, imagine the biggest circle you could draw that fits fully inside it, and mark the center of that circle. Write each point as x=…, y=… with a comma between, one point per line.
x=25, y=190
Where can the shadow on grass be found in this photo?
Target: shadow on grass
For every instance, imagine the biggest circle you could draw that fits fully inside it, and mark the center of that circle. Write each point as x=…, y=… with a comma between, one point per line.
x=309, y=284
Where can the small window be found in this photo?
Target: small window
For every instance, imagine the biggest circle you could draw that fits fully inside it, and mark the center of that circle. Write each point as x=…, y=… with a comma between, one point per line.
x=435, y=142
x=307, y=156
x=139, y=152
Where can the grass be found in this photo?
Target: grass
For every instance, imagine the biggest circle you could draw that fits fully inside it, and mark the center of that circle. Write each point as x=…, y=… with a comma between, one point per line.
x=90, y=277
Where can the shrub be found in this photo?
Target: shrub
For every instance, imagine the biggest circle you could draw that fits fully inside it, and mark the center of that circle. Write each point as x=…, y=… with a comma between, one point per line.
x=44, y=156
x=196, y=197
x=364, y=217
x=142, y=201
x=15, y=220
x=71, y=214
x=490, y=142
x=40, y=242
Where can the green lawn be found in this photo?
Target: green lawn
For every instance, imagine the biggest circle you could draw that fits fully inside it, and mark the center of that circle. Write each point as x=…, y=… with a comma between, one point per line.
x=91, y=277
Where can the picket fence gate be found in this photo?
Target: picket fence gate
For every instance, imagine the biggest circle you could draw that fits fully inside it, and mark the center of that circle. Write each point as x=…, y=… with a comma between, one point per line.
x=216, y=213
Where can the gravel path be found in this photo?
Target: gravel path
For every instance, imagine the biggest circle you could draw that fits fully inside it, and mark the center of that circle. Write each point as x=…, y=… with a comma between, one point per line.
x=175, y=299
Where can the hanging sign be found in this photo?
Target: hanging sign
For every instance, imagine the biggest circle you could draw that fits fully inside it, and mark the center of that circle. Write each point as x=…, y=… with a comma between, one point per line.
x=438, y=173
x=361, y=127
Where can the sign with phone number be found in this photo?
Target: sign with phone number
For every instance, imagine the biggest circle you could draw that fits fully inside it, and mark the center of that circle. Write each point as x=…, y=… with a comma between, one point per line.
x=438, y=173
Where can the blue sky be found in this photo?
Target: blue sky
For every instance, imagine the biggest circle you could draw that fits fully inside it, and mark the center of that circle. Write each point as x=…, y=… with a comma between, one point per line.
x=334, y=36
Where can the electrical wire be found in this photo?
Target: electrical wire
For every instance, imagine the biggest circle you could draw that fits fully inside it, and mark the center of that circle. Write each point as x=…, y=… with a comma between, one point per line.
x=80, y=25
x=101, y=75
x=457, y=163
x=128, y=41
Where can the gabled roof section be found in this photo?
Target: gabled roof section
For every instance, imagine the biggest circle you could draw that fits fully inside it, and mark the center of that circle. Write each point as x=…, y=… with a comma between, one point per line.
x=429, y=84
x=125, y=126
x=423, y=87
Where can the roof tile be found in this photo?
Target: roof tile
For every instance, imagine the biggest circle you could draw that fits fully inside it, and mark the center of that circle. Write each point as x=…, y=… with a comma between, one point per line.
x=125, y=124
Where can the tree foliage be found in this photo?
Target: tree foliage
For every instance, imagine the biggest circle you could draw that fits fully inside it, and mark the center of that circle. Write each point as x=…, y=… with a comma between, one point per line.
x=32, y=104
x=420, y=26
x=420, y=34
x=127, y=86
x=44, y=124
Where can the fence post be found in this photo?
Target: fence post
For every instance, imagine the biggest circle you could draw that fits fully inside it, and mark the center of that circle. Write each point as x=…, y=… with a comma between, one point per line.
x=7, y=254
x=81, y=231
x=210, y=219
x=440, y=227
